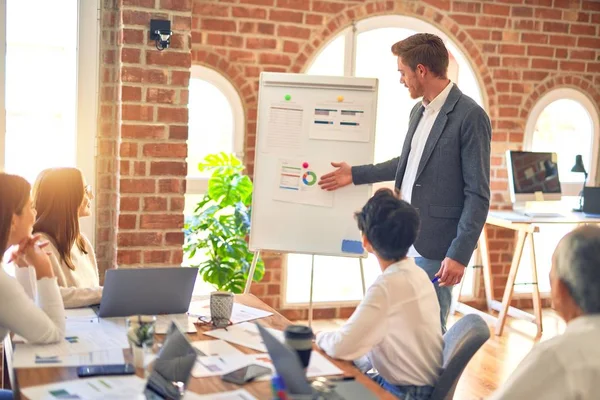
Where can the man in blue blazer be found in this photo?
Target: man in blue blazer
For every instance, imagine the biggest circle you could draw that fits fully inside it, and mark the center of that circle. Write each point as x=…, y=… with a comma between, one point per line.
x=444, y=167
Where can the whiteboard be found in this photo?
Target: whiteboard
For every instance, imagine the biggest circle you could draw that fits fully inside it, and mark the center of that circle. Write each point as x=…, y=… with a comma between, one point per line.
x=303, y=124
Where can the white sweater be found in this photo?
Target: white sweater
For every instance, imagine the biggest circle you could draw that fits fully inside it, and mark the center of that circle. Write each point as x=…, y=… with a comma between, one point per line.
x=79, y=287
x=19, y=314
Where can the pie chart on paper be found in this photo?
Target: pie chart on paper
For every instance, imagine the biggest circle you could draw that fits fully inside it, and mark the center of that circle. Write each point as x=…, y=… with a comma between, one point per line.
x=309, y=178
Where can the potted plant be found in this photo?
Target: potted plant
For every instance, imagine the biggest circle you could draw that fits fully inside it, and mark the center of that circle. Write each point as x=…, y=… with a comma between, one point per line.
x=217, y=232
x=140, y=333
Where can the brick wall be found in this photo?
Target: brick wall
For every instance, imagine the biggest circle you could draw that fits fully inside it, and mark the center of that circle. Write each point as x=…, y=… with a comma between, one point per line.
x=143, y=133
x=521, y=49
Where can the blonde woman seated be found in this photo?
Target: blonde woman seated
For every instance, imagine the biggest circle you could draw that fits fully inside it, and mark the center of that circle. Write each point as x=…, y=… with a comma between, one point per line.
x=61, y=196
x=18, y=312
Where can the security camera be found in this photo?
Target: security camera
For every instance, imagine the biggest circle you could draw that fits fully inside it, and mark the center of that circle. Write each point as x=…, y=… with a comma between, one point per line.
x=160, y=32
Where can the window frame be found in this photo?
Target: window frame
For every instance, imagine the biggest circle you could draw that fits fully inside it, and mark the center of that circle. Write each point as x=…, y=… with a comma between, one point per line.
x=88, y=47
x=568, y=188
x=198, y=185
x=350, y=47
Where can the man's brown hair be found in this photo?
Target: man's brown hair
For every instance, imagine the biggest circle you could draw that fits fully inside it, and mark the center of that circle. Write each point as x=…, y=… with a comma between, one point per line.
x=426, y=49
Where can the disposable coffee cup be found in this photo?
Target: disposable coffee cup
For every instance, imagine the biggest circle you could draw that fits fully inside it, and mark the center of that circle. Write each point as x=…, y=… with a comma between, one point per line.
x=300, y=338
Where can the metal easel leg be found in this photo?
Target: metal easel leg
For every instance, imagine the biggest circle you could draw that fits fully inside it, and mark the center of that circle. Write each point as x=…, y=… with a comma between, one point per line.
x=310, y=301
x=362, y=276
x=251, y=272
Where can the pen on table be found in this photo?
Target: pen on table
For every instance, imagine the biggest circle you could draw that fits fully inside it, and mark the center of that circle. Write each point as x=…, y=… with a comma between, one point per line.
x=434, y=280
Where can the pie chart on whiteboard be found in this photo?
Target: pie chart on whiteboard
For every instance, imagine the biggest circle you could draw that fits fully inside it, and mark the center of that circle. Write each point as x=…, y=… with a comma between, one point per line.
x=309, y=178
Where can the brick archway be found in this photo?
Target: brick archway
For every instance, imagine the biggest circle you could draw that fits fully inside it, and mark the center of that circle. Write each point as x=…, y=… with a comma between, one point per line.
x=555, y=82
x=423, y=12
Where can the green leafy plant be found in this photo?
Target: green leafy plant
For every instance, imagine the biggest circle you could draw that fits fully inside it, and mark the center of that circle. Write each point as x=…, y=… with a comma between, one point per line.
x=216, y=234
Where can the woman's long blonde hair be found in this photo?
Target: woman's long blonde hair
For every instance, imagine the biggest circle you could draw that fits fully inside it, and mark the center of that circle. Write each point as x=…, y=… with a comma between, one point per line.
x=57, y=196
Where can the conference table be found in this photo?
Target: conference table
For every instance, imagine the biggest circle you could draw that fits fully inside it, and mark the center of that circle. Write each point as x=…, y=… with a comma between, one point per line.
x=26, y=377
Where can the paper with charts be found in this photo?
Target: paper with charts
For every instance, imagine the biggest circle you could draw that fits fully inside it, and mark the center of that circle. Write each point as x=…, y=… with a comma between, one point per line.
x=340, y=120
x=284, y=129
x=217, y=366
x=245, y=334
x=240, y=312
x=117, y=388
x=296, y=182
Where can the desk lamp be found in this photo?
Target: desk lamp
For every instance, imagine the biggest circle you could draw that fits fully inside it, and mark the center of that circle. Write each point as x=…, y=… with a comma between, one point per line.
x=579, y=167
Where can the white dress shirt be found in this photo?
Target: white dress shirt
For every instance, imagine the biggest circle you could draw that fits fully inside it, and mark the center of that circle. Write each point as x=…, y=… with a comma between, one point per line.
x=417, y=145
x=396, y=325
x=19, y=313
x=564, y=367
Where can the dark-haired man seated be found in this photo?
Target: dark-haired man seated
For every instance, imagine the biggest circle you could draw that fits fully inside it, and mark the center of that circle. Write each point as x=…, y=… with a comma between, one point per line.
x=396, y=328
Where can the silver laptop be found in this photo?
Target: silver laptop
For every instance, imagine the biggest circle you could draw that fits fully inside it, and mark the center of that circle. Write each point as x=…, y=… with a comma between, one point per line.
x=289, y=368
x=172, y=368
x=146, y=291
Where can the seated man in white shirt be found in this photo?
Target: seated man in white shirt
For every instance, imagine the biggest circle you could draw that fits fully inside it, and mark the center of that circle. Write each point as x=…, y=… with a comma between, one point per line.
x=567, y=366
x=396, y=328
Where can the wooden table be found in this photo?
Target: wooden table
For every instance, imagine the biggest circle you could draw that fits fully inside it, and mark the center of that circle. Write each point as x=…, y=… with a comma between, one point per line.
x=525, y=227
x=26, y=377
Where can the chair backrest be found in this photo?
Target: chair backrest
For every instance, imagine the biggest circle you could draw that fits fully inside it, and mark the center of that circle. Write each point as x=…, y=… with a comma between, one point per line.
x=461, y=342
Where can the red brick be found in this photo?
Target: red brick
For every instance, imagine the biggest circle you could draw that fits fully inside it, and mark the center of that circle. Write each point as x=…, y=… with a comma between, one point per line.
x=137, y=239
x=274, y=59
x=171, y=114
x=134, y=112
x=177, y=203
x=326, y=313
x=129, y=55
x=155, y=204
x=218, y=39
x=526, y=25
x=260, y=43
x=543, y=63
x=293, y=31
x=557, y=27
x=182, y=23
x=312, y=19
x=133, y=17
x=178, y=132
x=479, y=34
x=168, y=168
x=129, y=204
x=139, y=168
x=545, y=13
x=143, y=131
x=211, y=9
x=180, y=78
x=515, y=62
x=172, y=150
x=176, y=5
x=220, y=25
x=128, y=149
x=540, y=51
x=572, y=66
x=294, y=4
x=593, y=43
x=133, y=36
x=285, y=16
x=592, y=5
x=289, y=47
x=577, y=29
x=131, y=93
x=157, y=95
x=512, y=49
x=464, y=20
x=139, y=3
x=127, y=221
x=563, y=40
x=496, y=9
x=522, y=12
x=169, y=58
x=535, y=38
x=131, y=74
x=174, y=238
x=158, y=221
x=157, y=256
x=258, y=2
x=175, y=185
x=128, y=257
x=470, y=7
x=249, y=12
x=327, y=7
x=266, y=28
x=534, y=75
x=241, y=56
x=561, y=53
x=138, y=185
x=177, y=256
x=491, y=22
x=583, y=55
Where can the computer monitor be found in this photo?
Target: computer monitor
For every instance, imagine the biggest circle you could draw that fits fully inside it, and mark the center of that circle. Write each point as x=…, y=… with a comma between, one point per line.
x=532, y=176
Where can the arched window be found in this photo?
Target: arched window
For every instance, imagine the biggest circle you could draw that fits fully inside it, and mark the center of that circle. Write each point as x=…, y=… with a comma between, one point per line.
x=364, y=50
x=564, y=121
x=216, y=123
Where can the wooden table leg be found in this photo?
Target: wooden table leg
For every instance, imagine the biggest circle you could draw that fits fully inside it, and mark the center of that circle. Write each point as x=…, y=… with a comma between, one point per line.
x=487, y=269
x=512, y=275
x=537, y=302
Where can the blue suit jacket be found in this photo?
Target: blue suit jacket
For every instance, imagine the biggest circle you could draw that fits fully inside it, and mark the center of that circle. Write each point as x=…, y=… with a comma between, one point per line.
x=452, y=186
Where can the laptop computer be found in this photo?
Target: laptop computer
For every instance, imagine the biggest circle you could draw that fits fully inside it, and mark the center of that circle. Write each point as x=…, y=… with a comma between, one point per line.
x=591, y=200
x=146, y=291
x=289, y=368
x=172, y=368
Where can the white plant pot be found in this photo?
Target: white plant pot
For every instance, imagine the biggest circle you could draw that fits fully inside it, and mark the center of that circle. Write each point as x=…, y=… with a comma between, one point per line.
x=138, y=356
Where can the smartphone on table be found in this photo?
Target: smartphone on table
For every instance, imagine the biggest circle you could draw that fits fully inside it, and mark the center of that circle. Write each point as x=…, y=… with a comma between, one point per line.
x=246, y=374
x=105, y=370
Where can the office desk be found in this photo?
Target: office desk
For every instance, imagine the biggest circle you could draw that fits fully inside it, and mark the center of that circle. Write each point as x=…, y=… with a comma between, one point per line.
x=525, y=227
x=261, y=389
